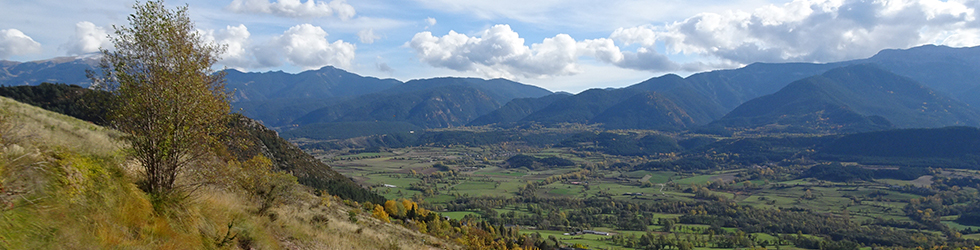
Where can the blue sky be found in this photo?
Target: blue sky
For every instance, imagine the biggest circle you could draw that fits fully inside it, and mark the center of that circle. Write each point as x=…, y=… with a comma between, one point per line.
x=561, y=45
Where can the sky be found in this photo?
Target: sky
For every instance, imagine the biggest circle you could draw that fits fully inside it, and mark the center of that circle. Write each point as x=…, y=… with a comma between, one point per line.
x=560, y=45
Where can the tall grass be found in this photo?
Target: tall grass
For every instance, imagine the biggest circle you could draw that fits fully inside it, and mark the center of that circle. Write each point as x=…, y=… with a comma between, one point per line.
x=52, y=130
x=67, y=184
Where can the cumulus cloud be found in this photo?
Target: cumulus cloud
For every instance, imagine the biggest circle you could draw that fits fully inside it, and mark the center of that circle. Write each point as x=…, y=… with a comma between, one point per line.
x=498, y=52
x=501, y=52
x=13, y=42
x=88, y=38
x=295, y=8
x=367, y=36
x=305, y=46
x=644, y=58
x=815, y=30
x=237, y=45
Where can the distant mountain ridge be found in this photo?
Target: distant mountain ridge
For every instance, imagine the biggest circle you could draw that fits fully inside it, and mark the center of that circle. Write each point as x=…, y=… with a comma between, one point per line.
x=277, y=98
x=282, y=99
x=614, y=108
x=325, y=82
x=428, y=103
x=517, y=109
x=708, y=96
x=853, y=99
x=67, y=70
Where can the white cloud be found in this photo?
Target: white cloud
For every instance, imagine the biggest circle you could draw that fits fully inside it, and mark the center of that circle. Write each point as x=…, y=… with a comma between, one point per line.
x=585, y=15
x=305, y=46
x=367, y=36
x=429, y=21
x=500, y=52
x=643, y=35
x=13, y=42
x=295, y=8
x=237, y=46
x=815, y=30
x=88, y=38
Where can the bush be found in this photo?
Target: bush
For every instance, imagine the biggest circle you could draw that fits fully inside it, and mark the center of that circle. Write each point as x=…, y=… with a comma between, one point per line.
x=261, y=184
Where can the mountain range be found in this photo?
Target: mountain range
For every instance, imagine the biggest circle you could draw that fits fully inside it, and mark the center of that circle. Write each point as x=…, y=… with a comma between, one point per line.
x=946, y=74
x=428, y=103
x=855, y=98
x=277, y=98
x=927, y=86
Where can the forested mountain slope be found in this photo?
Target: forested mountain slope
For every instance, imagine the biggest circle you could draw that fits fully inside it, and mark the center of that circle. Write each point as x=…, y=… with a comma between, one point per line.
x=851, y=99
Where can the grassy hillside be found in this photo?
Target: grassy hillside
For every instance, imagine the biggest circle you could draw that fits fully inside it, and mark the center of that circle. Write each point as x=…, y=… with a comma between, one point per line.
x=250, y=138
x=68, y=185
x=254, y=139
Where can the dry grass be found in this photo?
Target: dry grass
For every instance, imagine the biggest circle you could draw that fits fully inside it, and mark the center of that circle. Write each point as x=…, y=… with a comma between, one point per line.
x=52, y=130
x=338, y=232
x=67, y=185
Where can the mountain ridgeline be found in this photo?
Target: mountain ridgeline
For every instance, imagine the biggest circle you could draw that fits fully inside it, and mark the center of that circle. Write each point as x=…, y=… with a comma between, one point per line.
x=277, y=98
x=429, y=103
x=926, y=86
x=931, y=86
x=853, y=99
x=67, y=70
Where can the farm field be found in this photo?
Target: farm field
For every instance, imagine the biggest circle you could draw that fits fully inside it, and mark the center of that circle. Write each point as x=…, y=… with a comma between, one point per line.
x=550, y=201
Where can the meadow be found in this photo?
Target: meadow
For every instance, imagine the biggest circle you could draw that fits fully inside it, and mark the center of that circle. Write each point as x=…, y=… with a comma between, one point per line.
x=452, y=174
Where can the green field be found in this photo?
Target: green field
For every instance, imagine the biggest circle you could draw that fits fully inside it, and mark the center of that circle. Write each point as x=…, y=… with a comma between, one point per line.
x=481, y=172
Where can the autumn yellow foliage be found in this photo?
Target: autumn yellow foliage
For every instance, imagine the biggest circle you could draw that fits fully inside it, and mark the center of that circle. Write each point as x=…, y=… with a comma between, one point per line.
x=379, y=213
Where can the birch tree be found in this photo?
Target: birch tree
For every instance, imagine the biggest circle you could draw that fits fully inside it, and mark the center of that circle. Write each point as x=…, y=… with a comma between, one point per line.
x=169, y=101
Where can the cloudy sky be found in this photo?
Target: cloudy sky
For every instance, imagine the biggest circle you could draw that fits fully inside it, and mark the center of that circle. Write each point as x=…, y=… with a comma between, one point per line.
x=561, y=45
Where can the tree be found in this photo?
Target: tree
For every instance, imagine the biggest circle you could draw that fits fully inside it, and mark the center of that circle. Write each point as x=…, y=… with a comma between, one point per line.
x=379, y=213
x=168, y=99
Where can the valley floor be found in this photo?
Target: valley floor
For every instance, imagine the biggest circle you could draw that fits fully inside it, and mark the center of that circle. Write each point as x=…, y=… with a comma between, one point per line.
x=671, y=207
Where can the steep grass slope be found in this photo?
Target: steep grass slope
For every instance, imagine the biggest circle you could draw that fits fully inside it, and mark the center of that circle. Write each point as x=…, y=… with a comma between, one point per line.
x=66, y=184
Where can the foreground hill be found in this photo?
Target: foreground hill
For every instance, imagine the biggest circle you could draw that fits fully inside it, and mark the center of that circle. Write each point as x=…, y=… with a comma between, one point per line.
x=67, y=186
x=250, y=137
x=851, y=99
x=254, y=139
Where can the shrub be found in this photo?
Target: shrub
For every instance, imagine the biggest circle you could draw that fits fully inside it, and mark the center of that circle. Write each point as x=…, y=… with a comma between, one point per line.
x=268, y=188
